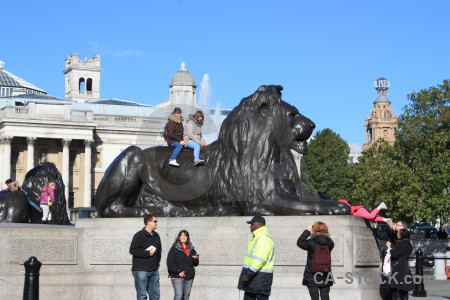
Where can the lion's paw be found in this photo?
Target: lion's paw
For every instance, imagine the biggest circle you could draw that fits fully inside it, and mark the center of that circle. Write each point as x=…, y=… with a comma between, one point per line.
x=332, y=207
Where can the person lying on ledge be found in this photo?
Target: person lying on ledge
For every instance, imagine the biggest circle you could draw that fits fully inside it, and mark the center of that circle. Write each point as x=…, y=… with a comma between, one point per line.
x=361, y=211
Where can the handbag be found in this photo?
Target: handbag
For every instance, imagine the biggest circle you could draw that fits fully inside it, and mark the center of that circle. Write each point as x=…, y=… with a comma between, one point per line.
x=49, y=201
x=387, y=263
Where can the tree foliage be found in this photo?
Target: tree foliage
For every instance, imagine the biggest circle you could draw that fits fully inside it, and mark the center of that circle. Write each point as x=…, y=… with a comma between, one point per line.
x=412, y=176
x=423, y=140
x=327, y=165
x=381, y=177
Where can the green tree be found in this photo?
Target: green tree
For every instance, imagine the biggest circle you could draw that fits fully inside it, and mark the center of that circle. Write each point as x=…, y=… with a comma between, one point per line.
x=381, y=177
x=306, y=179
x=327, y=165
x=412, y=176
x=423, y=140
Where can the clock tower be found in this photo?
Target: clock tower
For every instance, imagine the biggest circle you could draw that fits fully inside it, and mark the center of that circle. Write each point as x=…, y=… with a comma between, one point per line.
x=382, y=122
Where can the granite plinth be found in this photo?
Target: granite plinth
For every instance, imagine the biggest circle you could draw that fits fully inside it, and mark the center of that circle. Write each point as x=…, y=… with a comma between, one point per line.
x=91, y=260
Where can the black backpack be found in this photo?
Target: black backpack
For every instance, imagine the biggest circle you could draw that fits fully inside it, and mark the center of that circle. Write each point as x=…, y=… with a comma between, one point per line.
x=321, y=259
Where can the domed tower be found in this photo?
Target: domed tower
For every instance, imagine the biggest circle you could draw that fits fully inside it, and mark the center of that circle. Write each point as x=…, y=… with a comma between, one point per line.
x=183, y=89
x=382, y=122
x=82, y=78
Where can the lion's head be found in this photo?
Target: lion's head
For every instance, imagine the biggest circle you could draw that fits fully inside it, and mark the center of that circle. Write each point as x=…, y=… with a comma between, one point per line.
x=264, y=118
x=252, y=155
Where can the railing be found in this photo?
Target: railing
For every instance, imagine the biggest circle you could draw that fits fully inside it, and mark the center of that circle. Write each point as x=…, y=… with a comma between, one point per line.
x=78, y=113
x=100, y=119
x=21, y=110
x=87, y=93
x=14, y=110
x=147, y=122
x=125, y=119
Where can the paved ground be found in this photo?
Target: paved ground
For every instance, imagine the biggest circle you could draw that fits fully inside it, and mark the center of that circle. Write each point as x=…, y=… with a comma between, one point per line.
x=436, y=289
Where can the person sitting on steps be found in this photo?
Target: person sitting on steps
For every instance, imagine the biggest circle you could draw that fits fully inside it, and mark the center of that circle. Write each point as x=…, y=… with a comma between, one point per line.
x=175, y=135
x=193, y=136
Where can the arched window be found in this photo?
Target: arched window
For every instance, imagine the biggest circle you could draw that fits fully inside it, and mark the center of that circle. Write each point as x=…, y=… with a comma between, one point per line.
x=81, y=85
x=89, y=86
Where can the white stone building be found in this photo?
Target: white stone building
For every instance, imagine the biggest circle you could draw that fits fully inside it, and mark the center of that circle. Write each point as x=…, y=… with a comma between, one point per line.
x=81, y=133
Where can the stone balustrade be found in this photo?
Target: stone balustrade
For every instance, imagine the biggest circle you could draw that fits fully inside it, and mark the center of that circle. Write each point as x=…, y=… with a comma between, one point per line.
x=80, y=115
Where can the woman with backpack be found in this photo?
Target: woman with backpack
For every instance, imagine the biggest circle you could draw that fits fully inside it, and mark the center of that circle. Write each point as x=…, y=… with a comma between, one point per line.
x=181, y=260
x=317, y=276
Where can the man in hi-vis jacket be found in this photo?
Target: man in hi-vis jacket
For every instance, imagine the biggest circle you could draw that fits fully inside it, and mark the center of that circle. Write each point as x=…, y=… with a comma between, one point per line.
x=257, y=274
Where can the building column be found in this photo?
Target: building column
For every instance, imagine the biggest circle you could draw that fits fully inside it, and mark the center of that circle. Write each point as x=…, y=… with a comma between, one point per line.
x=65, y=168
x=30, y=153
x=87, y=173
x=6, y=141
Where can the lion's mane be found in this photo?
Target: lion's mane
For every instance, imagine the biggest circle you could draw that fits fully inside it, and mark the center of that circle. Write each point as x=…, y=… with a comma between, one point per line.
x=249, y=165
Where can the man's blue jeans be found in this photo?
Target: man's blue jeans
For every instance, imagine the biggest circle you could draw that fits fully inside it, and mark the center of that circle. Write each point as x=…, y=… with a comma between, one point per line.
x=196, y=147
x=146, y=282
x=182, y=288
x=178, y=147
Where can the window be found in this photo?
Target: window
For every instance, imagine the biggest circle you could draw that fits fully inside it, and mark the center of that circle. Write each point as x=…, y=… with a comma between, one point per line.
x=81, y=85
x=96, y=159
x=71, y=199
x=93, y=198
x=5, y=92
x=89, y=86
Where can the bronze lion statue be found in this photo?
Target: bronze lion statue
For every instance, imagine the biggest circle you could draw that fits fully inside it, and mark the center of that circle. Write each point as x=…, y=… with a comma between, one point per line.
x=15, y=206
x=249, y=170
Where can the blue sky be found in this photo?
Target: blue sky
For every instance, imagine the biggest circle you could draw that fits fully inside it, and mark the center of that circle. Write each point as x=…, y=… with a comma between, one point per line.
x=326, y=54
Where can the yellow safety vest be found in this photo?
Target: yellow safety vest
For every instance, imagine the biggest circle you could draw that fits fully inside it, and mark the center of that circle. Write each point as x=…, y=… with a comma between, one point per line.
x=260, y=252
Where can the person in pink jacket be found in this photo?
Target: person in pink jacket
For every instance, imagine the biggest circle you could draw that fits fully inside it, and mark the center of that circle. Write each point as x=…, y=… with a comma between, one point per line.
x=47, y=198
x=361, y=211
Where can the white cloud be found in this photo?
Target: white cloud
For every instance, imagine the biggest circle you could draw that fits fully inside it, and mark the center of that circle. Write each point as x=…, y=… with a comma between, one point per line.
x=99, y=48
x=128, y=52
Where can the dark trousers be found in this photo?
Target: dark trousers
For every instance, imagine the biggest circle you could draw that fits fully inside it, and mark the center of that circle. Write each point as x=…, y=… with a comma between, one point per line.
x=255, y=296
x=385, y=290
x=399, y=294
x=324, y=292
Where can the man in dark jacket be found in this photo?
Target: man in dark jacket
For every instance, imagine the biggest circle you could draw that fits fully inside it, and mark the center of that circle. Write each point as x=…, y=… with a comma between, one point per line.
x=146, y=250
x=257, y=274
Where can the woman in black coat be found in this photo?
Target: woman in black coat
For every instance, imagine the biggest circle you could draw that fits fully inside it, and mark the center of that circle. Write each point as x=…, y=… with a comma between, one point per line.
x=401, y=280
x=316, y=282
x=181, y=260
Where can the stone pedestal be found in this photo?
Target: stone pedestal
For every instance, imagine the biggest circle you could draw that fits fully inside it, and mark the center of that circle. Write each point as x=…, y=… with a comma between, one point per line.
x=439, y=266
x=91, y=260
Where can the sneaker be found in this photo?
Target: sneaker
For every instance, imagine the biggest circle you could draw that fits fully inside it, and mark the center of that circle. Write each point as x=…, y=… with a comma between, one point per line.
x=174, y=163
x=389, y=222
x=199, y=162
x=382, y=206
